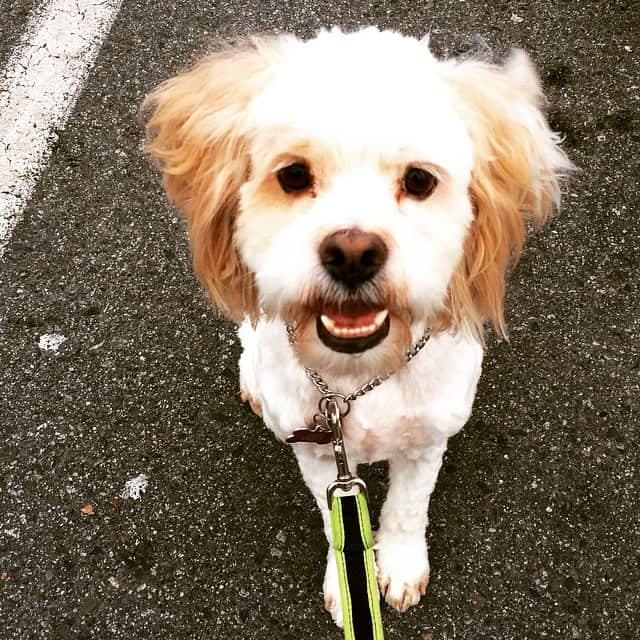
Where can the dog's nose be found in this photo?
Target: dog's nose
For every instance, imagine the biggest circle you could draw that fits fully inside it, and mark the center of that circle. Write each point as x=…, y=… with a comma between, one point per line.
x=353, y=256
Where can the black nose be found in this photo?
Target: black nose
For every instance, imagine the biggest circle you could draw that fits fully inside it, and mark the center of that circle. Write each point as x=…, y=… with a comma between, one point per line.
x=352, y=256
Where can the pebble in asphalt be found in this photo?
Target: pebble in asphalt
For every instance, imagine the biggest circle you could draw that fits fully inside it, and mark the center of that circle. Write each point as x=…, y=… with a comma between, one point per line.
x=535, y=528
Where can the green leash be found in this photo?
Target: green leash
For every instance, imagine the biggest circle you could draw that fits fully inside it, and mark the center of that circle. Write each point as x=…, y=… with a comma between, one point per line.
x=352, y=539
x=353, y=549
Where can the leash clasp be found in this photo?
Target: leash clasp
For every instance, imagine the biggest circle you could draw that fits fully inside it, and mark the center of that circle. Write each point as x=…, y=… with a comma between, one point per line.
x=347, y=488
x=346, y=481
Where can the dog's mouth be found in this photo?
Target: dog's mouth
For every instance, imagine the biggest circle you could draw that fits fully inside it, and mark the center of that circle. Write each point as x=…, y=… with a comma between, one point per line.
x=353, y=331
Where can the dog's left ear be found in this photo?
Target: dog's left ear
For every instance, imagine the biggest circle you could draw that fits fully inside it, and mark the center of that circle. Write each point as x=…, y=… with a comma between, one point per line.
x=517, y=168
x=196, y=134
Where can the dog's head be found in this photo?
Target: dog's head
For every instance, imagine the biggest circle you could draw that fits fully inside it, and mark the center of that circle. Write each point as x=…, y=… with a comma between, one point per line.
x=355, y=186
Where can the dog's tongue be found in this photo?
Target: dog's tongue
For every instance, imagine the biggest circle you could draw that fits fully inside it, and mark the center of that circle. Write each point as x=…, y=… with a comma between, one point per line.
x=344, y=321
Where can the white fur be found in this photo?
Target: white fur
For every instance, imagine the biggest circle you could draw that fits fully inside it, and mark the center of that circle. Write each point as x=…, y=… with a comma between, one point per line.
x=348, y=108
x=360, y=109
x=406, y=421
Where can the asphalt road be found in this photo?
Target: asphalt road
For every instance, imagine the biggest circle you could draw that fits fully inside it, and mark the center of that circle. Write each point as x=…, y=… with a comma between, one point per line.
x=535, y=521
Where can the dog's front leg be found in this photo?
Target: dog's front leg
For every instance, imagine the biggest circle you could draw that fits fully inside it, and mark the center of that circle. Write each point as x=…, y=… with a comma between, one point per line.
x=318, y=472
x=401, y=546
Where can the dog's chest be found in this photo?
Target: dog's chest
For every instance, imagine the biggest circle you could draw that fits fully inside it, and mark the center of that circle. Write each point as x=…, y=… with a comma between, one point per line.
x=377, y=433
x=375, y=428
x=392, y=419
x=428, y=400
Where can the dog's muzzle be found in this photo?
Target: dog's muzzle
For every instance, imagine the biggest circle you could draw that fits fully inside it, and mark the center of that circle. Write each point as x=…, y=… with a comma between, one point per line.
x=352, y=257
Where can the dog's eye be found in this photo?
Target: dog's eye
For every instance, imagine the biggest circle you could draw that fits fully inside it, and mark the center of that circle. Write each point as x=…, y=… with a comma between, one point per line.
x=418, y=182
x=295, y=177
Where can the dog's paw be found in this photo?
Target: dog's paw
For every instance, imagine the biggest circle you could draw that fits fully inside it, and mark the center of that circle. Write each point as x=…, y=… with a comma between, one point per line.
x=403, y=570
x=331, y=589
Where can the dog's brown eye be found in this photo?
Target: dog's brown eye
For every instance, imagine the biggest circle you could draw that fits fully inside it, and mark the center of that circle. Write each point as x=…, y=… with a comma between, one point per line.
x=418, y=182
x=295, y=177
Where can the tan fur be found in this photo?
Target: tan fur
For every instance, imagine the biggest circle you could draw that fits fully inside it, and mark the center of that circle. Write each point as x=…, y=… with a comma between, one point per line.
x=517, y=167
x=194, y=132
x=390, y=354
x=255, y=405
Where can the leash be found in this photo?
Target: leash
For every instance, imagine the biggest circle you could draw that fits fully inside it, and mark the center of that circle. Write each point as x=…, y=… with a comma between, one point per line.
x=352, y=540
x=347, y=497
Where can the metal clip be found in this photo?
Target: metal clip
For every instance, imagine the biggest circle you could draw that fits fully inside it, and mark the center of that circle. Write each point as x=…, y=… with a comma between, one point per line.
x=345, y=481
x=343, y=405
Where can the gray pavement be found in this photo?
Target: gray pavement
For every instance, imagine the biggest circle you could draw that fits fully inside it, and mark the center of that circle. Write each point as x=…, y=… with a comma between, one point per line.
x=14, y=14
x=535, y=521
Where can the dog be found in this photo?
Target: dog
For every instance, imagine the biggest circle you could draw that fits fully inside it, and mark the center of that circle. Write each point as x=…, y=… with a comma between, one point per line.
x=347, y=198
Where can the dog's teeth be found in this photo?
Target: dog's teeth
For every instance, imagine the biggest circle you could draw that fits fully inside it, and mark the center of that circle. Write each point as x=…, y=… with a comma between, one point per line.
x=329, y=324
x=353, y=332
x=380, y=317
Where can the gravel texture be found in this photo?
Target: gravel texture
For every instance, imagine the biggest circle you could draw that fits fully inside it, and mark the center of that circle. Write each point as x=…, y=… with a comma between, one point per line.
x=14, y=14
x=535, y=527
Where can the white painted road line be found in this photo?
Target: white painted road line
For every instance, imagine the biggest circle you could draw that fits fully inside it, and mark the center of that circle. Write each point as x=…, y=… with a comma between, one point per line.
x=38, y=90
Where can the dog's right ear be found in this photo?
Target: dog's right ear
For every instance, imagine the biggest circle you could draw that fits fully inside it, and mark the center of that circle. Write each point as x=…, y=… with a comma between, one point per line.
x=195, y=133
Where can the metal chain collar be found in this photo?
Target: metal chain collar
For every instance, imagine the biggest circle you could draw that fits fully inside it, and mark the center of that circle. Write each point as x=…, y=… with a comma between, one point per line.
x=374, y=382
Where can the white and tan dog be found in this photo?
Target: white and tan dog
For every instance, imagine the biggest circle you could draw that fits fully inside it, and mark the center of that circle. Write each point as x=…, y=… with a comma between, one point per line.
x=365, y=193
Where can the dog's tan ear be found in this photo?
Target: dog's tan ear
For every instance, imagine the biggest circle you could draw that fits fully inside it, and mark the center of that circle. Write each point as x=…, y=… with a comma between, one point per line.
x=195, y=134
x=517, y=169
